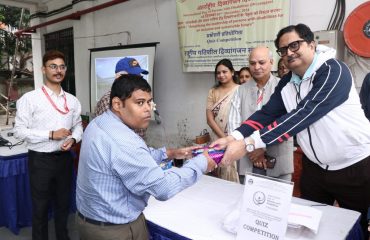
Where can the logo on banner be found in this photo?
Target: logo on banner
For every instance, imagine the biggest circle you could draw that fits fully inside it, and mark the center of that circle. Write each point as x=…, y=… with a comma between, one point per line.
x=259, y=198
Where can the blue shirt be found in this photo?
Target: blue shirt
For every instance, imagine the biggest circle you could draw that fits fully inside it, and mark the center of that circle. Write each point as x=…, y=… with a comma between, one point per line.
x=118, y=172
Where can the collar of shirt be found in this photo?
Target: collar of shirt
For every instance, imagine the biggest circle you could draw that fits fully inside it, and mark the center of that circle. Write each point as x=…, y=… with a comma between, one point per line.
x=114, y=116
x=297, y=80
x=267, y=83
x=51, y=93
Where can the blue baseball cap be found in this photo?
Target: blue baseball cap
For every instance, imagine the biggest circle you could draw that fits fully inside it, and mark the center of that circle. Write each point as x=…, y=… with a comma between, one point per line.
x=130, y=65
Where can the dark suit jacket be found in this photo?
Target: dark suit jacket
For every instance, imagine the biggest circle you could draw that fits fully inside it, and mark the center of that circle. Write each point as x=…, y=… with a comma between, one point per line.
x=365, y=95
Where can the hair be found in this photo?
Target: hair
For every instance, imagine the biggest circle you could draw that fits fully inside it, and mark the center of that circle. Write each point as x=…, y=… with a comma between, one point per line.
x=244, y=69
x=280, y=61
x=227, y=63
x=126, y=84
x=301, y=29
x=270, y=54
x=51, y=55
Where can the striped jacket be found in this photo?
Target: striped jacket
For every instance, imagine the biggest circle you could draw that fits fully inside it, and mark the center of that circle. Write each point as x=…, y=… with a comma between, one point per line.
x=324, y=111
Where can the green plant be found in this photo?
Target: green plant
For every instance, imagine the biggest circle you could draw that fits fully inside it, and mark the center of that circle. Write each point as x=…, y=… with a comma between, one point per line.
x=9, y=22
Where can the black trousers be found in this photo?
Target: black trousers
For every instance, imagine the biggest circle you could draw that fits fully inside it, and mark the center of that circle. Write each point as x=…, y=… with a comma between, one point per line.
x=50, y=181
x=349, y=186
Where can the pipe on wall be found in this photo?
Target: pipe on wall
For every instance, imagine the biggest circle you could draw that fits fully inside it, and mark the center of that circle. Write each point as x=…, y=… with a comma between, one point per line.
x=73, y=16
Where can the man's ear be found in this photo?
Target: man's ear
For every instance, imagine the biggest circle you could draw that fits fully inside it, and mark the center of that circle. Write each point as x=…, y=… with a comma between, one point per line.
x=43, y=69
x=117, y=104
x=313, y=45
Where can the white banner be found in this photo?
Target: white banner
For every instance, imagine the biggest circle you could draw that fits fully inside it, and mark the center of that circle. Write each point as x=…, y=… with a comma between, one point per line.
x=212, y=30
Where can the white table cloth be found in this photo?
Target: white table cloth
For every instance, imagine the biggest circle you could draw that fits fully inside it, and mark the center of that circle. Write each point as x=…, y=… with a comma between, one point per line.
x=198, y=212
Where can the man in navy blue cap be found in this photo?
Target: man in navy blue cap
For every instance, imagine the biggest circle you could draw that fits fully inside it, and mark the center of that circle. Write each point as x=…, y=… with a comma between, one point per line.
x=129, y=65
x=125, y=65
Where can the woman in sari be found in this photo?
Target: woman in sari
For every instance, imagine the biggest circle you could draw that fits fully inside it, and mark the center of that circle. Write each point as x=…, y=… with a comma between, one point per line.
x=218, y=106
x=244, y=75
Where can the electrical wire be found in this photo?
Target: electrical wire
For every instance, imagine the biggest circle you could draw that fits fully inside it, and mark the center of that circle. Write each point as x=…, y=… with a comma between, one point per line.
x=338, y=14
x=331, y=18
x=337, y=17
x=11, y=145
x=343, y=13
x=334, y=23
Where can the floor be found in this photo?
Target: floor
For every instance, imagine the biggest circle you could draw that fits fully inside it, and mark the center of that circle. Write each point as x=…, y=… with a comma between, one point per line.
x=25, y=233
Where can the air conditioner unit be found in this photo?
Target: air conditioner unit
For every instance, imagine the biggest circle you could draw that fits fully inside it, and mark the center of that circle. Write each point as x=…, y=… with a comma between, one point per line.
x=333, y=39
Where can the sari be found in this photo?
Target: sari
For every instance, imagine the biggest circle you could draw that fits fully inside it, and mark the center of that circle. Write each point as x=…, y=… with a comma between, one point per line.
x=220, y=107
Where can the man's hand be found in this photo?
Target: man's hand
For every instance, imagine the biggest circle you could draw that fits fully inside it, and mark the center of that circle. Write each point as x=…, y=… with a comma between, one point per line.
x=211, y=163
x=68, y=144
x=222, y=143
x=61, y=134
x=257, y=157
x=181, y=153
x=234, y=151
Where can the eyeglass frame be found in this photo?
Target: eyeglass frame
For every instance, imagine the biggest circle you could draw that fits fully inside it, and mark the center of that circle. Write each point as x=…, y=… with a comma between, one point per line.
x=55, y=67
x=279, y=52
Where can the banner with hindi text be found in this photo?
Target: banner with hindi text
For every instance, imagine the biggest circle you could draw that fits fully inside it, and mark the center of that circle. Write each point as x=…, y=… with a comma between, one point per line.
x=212, y=30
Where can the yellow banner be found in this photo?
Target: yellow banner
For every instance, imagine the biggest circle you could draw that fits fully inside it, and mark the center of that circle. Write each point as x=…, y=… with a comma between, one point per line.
x=212, y=30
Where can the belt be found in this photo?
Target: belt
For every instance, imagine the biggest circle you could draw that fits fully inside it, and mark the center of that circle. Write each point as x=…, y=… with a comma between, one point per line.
x=56, y=153
x=95, y=222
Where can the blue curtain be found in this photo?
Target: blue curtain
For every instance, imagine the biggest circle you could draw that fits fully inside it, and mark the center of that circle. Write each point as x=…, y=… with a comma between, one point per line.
x=15, y=197
x=15, y=193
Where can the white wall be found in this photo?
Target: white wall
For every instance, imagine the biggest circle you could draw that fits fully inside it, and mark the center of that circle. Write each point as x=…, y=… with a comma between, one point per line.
x=316, y=13
x=180, y=97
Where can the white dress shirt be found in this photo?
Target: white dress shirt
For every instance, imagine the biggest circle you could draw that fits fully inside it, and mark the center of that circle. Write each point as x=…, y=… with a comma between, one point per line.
x=36, y=117
x=244, y=103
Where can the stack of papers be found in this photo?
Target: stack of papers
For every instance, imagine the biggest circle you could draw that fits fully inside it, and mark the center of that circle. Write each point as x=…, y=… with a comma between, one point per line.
x=307, y=216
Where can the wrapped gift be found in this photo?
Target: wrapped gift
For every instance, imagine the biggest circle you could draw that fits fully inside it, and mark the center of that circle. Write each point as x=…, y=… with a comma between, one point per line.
x=215, y=154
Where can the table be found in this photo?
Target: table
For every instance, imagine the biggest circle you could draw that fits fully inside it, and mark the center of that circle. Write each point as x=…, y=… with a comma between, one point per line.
x=197, y=213
x=15, y=194
x=15, y=198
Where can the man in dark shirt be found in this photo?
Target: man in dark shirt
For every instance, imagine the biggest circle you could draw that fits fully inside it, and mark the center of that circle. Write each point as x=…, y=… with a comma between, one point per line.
x=365, y=95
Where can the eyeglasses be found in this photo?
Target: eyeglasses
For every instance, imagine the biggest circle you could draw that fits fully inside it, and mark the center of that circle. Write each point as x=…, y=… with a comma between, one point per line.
x=293, y=46
x=55, y=67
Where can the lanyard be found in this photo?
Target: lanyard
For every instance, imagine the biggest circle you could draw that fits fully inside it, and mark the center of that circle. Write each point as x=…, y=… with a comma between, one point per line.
x=260, y=98
x=53, y=104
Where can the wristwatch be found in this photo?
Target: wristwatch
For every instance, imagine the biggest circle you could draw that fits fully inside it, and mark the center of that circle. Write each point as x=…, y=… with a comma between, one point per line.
x=249, y=144
x=250, y=147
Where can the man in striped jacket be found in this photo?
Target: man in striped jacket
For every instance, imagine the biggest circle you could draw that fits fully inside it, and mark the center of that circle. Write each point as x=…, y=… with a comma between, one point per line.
x=318, y=102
